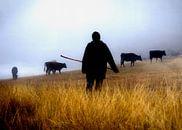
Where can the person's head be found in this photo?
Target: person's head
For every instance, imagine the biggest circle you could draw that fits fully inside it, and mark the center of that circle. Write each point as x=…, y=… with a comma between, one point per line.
x=96, y=36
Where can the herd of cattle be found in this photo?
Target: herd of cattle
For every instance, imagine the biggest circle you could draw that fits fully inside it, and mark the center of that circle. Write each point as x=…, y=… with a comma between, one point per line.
x=53, y=66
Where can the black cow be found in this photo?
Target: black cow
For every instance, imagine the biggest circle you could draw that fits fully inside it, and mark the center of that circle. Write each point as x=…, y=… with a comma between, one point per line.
x=53, y=66
x=130, y=57
x=157, y=54
x=14, y=72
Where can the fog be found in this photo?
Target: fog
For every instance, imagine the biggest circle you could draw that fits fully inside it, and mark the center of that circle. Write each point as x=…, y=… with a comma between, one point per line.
x=36, y=31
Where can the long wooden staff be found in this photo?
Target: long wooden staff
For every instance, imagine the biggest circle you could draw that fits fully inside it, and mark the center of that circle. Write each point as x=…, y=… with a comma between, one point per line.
x=76, y=60
x=70, y=58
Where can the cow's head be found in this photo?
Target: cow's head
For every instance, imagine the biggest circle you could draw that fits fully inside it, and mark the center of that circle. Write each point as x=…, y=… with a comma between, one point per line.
x=139, y=58
x=164, y=53
x=64, y=65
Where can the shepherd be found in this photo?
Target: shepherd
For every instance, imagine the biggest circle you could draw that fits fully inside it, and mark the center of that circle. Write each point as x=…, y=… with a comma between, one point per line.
x=94, y=62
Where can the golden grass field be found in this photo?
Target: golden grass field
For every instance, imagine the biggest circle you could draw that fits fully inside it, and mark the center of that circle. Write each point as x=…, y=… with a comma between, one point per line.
x=147, y=96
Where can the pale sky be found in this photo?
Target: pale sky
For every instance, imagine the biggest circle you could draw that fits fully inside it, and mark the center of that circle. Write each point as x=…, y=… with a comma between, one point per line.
x=36, y=31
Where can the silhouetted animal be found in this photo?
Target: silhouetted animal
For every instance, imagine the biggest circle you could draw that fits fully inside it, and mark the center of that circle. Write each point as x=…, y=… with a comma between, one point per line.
x=94, y=62
x=157, y=54
x=14, y=72
x=130, y=57
x=53, y=66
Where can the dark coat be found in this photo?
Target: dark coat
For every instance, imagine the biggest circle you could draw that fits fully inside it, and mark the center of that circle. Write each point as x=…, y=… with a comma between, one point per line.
x=95, y=59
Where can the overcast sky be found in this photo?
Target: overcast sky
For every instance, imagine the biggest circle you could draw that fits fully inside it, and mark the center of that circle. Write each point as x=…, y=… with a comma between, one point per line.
x=36, y=31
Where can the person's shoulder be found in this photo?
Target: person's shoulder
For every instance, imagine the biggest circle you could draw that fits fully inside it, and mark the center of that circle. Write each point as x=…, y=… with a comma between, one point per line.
x=103, y=44
x=89, y=44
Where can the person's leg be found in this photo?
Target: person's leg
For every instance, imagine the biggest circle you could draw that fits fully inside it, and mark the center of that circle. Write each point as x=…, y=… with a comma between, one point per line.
x=98, y=85
x=90, y=82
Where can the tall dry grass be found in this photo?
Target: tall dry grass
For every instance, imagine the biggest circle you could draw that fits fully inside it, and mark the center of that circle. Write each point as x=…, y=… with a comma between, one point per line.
x=147, y=96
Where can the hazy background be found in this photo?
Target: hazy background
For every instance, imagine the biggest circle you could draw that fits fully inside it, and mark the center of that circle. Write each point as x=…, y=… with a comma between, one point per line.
x=36, y=31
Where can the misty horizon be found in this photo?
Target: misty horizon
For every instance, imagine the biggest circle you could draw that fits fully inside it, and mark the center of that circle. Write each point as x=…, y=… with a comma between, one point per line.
x=33, y=32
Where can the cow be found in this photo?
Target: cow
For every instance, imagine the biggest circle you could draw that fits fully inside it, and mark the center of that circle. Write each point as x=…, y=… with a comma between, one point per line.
x=14, y=72
x=53, y=66
x=157, y=54
x=129, y=57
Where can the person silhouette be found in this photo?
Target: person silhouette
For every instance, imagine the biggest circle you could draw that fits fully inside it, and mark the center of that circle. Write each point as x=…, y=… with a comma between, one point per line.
x=94, y=62
x=14, y=72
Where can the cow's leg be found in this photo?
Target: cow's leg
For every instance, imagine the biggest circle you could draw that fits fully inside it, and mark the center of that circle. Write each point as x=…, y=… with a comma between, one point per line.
x=122, y=63
x=49, y=72
x=59, y=71
x=161, y=59
x=133, y=63
x=54, y=71
x=15, y=76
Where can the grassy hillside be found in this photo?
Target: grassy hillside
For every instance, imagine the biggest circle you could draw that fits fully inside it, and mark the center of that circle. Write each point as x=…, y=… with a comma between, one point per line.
x=147, y=96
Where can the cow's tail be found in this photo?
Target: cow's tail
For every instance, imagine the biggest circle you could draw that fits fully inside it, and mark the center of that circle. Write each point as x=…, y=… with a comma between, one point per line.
x=44, y=66
x=122, y=60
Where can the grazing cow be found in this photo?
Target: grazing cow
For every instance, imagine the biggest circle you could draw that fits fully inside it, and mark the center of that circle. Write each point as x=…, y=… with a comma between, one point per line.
x=14, y=72
x=129, y=57
x=157, y=54
x=53, y=66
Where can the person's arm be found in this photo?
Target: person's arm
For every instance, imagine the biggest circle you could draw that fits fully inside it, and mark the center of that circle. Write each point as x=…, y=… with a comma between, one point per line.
x=111, y=60
x=84, y=60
